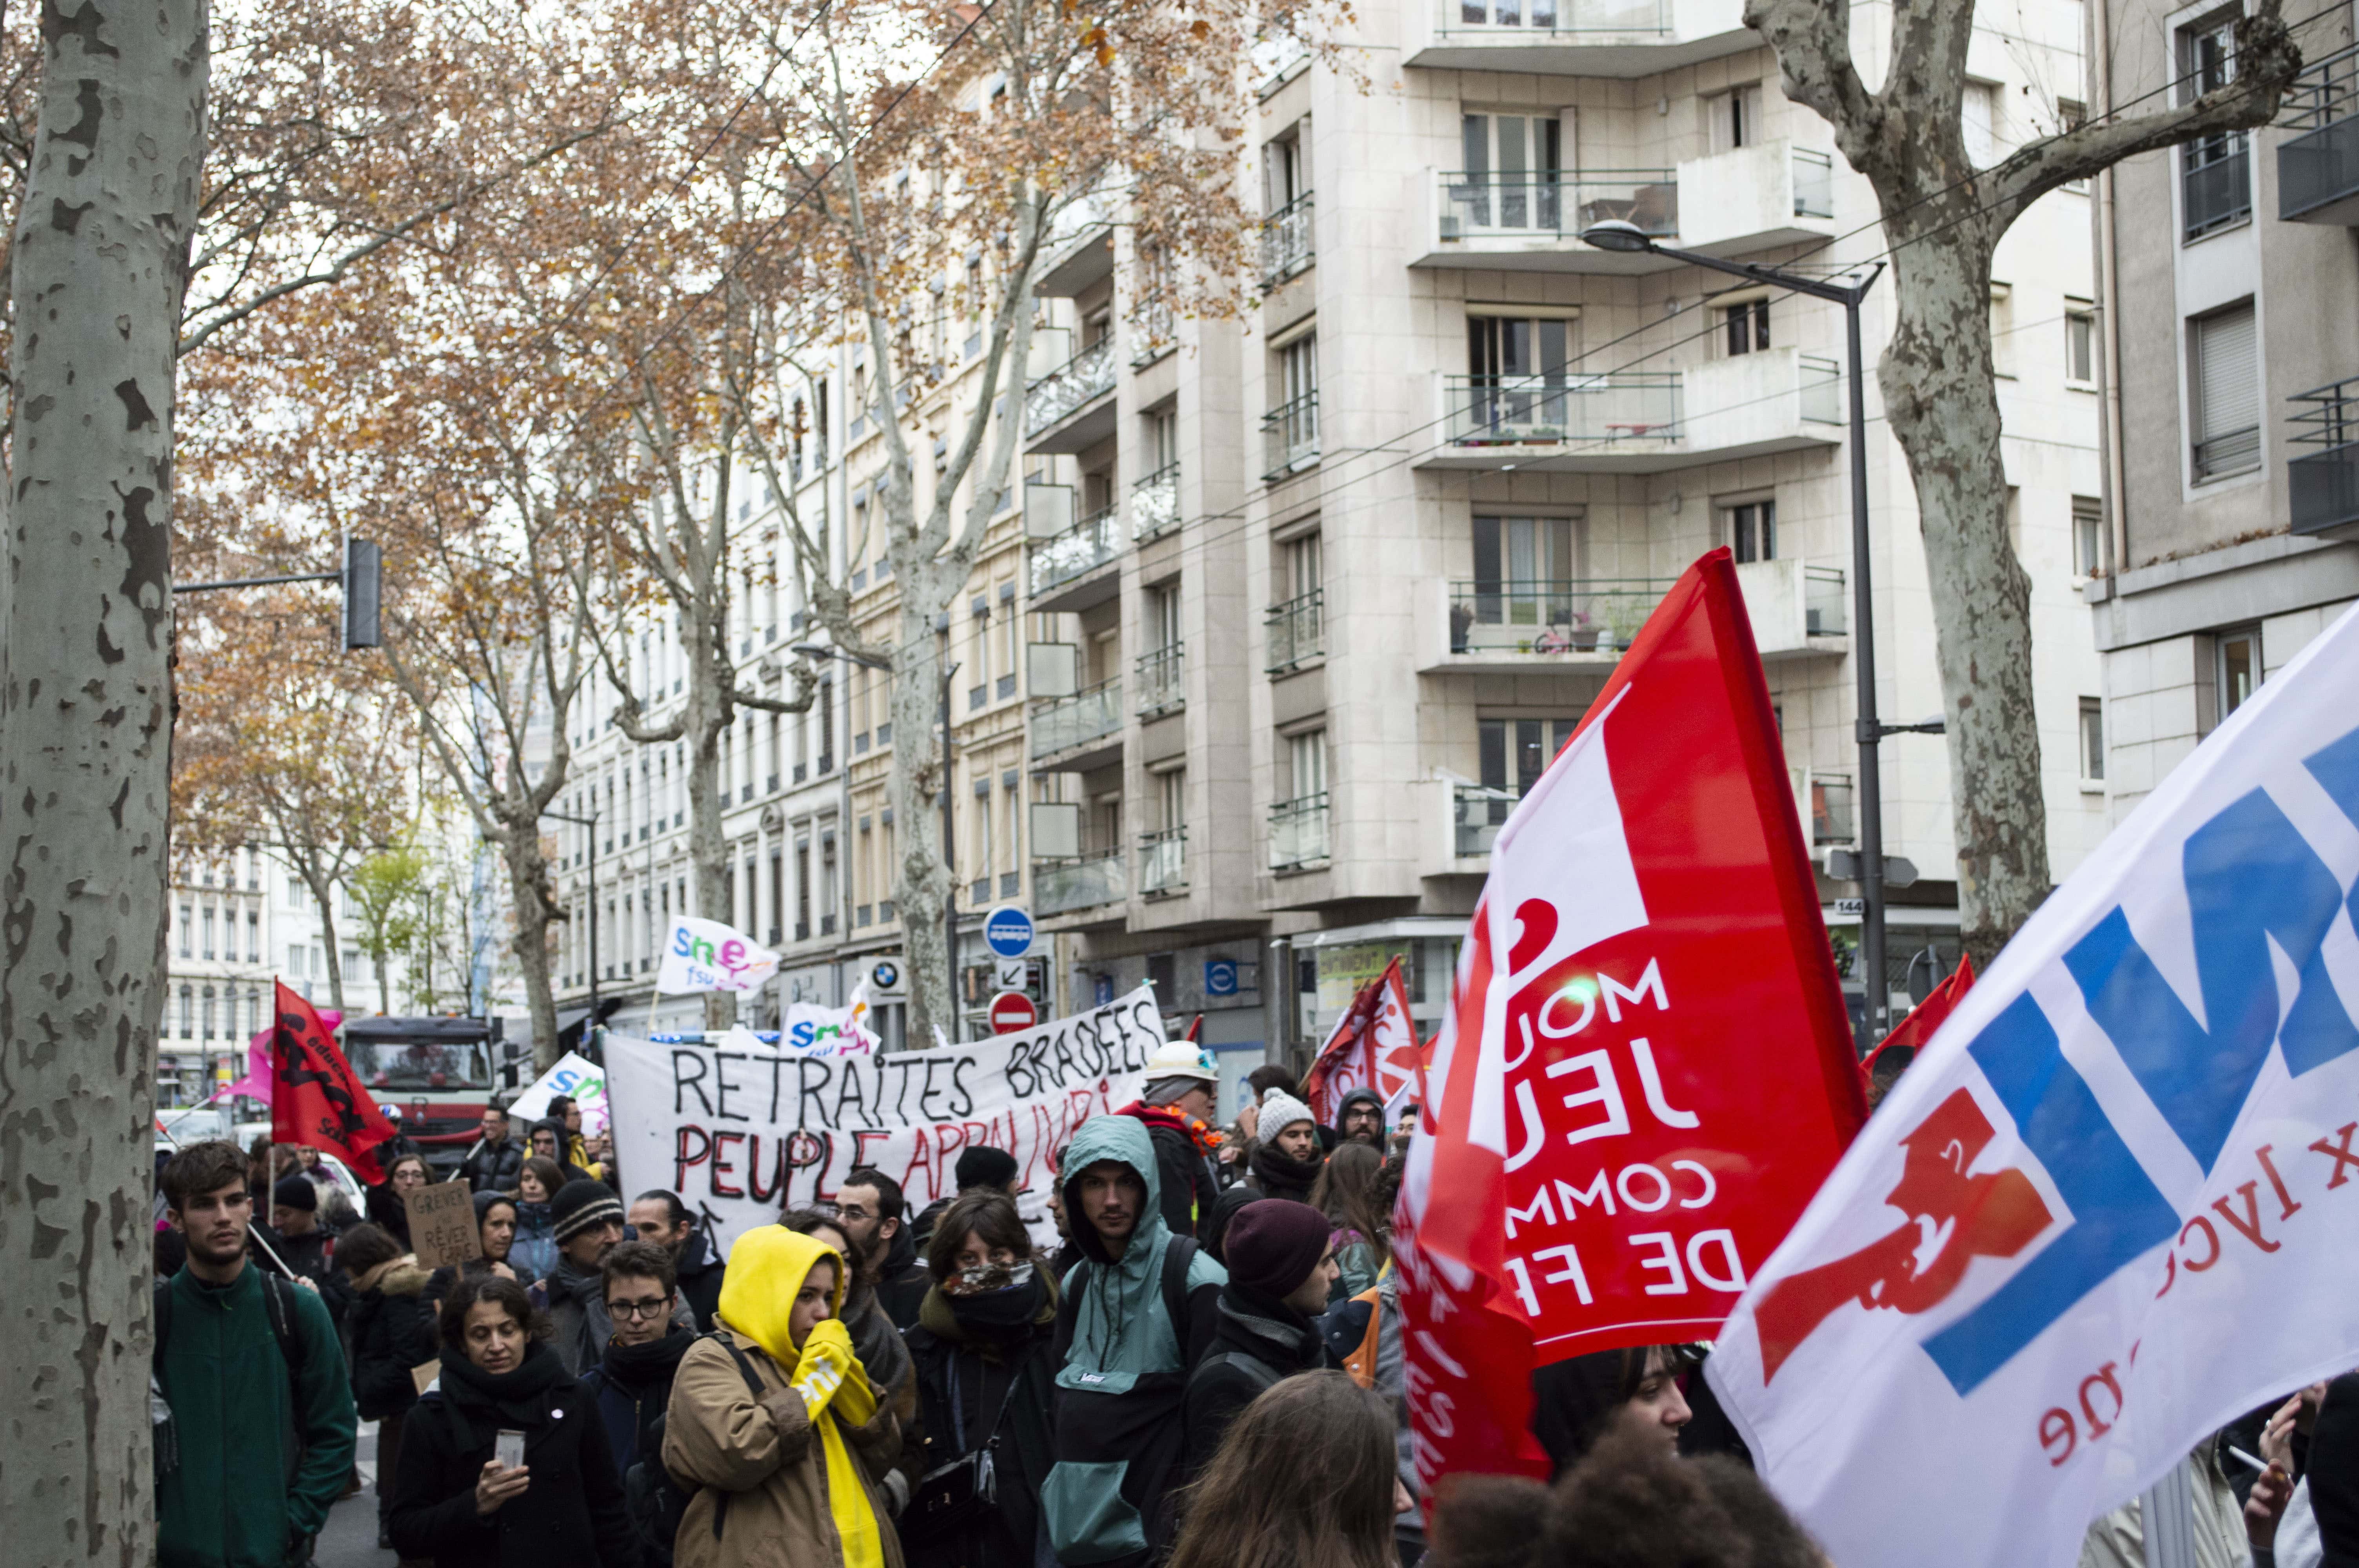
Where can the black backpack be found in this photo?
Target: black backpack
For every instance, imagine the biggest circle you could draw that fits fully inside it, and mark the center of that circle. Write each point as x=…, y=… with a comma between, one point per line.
x=279, y=1306
x=656, y=1499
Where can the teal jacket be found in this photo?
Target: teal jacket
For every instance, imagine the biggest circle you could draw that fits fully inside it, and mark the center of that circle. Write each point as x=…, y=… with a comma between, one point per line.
x=238, y=1498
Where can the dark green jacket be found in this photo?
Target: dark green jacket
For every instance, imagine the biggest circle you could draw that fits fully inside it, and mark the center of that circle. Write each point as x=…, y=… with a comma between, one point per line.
x=237, y=1499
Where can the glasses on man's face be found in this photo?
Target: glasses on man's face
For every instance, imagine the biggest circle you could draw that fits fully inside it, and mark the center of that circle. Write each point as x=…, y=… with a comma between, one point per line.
x=852, y=1211
x=646, y=1310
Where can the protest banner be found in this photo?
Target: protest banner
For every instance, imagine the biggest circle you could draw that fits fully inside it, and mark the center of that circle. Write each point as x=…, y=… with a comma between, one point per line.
x=1374, y=1047
x=315, y=1097
x=741, y=1134
x=442, y=1224
x=1646, y=1067
x=2110, y=1206
x=575, y=1076
x=706, y=955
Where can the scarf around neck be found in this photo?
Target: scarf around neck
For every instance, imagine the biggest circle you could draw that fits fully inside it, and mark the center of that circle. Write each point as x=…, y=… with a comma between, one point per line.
x=521, y=1397
x=993, y=1318
x=1280, y=1175
x=634, y=1368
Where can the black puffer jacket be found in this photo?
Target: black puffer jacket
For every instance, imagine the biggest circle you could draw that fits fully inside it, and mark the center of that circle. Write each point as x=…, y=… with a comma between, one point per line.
x=388, y=1341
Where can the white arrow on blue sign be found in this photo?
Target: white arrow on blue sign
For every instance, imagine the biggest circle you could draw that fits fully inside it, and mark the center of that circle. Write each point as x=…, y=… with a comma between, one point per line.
x=1007, y=930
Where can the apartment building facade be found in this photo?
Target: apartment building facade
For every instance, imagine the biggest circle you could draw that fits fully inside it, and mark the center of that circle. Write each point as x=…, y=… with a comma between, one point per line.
x=2232, y=442
x=1288, y=610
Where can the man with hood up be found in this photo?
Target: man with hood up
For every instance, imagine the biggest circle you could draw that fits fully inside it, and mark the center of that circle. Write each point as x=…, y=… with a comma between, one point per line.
x=1140, y=1310
x=1360, y=1119
x=774, y=1421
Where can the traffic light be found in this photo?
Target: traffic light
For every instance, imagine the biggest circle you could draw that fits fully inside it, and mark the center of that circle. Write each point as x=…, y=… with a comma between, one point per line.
x=363, y=586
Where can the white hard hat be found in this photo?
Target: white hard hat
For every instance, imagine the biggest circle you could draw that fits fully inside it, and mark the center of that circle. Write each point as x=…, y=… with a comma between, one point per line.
x=1181, y=1059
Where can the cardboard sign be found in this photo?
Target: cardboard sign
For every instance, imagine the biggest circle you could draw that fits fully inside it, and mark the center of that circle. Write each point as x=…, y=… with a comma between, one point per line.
x=424, y=1374
x=442, y=1225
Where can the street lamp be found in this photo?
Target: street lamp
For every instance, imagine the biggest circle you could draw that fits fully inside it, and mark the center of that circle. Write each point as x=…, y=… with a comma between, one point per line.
x=591, y=822
x=950, y=841
x=1618, y=235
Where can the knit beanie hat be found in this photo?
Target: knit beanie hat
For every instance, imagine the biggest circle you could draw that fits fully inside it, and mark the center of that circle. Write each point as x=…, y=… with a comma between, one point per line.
x=1273, y=1245
x=581, y=1204
x=295, y=1192
x=984, y=1166
x=1280, y=1110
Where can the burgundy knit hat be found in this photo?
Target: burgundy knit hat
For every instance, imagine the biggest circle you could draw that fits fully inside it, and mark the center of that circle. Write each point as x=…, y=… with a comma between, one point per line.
x=1273, y=1245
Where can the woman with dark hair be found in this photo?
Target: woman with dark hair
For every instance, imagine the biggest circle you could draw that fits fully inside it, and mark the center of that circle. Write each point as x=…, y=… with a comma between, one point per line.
x=388, y=1201
x=534, y=1252
x=462, y=1503
x=1302, y=1479
x=1347, y=1194
x=1580, y=1399
x=387, y=1341
x=496, y=1233
x=986, y=1383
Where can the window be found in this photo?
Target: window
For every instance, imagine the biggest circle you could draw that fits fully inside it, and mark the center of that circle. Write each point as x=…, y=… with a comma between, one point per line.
x=1162, y=606
x=254, y=936
x=2239, y=666
x=2225, y=380
x=1753, y=530
x=1171, y=799
x=1299, y=369
x=1733, y=119
x=1745, y=328
x=188, y=931
x=1306, y=756
x=2093, y=740
x=2088, y=536
x=2215, y=172
x=2079, y=342
x=1286, y=171
x=1503, y=348
x=1524, y=572
x=1516, y=751
x=1162, y=439
x=1979, y=114
x=1515, y=159
x=1303, y=566
x=187, y=1013
x=209, y=933
x=208, y=1012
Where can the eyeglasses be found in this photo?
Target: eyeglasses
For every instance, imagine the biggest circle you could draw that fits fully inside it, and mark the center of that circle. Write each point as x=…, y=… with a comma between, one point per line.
x=634, y=1310
x=852, y=1211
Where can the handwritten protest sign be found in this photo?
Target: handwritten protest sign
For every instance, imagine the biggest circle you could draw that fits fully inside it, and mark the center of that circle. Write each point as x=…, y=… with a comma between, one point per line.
x=741, y=1134
x=442, y=1224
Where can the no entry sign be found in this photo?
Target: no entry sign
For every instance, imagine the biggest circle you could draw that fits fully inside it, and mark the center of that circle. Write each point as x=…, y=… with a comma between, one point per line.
x=1011, y=1011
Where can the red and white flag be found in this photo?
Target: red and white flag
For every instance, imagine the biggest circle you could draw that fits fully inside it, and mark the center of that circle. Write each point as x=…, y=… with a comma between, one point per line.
x=1373, y=1047
x=1646, y=1067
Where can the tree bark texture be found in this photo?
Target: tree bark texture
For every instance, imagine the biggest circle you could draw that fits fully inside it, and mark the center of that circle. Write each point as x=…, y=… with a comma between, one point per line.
x=99, y=261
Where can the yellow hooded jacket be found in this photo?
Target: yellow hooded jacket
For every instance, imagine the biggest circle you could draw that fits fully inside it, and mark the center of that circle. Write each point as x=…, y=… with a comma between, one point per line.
x=756, y=1449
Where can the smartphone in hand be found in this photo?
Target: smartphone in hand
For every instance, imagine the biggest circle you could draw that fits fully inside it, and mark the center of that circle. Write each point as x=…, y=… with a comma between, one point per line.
x=508, y=1448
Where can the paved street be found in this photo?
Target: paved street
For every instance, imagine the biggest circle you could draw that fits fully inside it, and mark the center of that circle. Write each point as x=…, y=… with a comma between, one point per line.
x=350, y=1540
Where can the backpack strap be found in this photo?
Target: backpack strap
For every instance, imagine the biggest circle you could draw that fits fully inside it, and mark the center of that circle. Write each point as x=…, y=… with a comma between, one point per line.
x=279, y=1306
x=1264, y=1376
x=1177, y=1257
x=753, y=1387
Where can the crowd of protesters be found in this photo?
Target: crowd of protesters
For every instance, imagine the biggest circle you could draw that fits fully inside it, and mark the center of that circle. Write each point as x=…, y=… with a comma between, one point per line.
x=1207, y=1372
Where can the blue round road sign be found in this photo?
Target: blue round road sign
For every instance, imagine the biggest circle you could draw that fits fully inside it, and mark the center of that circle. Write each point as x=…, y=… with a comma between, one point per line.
x=1009, y=932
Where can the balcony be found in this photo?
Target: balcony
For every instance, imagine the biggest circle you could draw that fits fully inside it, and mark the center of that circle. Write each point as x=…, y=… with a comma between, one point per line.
x=1798, y=610
x=2215, y=185
x=1162, y=681
x=1288, y=247
x=1298, y=833
x=1092, y=718
x=2318, y=166
x=1068, y=409
x=1640, y=421
x=2323, y=477
x=1477, y=812
x=1079, y=247
x=1289, y=437
x=1533, y=224
x=1059, y=887
x=1163, y=862
x=1576, y=38
x=1074, y=552
x=1155, y=504
x=1509, y=626
x=1295, y=631
x=1152, y=334
x=1752, y=198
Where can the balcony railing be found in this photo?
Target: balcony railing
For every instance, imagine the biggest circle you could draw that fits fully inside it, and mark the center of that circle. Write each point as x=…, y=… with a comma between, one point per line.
x=1625, y=405
x=2318, y=167
x=1298, y=833
x=1088, y=375
x=1573, y=615
x=1162, y=681
x=1289, y=437
x=1477, y=204
x=2215, y=184
x=1286, y=243
x=1076, y=720
x=2324, y=478
x=1060, y=886
x=1477, y=813
x=1558, y=16
x=1826, y=611
x=1296, y=630
x=1163, y=861
x=1814, y=183
x=1151, y=334
x=1086, y=545
x=1830, y=820
x=1155, y=504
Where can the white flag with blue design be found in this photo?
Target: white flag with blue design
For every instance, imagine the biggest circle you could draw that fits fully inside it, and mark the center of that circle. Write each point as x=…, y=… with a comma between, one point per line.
x=2116, y=1203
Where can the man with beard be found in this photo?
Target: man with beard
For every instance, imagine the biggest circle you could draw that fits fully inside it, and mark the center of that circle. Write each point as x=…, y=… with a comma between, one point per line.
x=659, y=1217
x=1285, y=1159
x=1361, y=1119
x=631, y=1386
x=492, y=1165
x=587, y=1219
x=871, y=1208
x=261, y=1437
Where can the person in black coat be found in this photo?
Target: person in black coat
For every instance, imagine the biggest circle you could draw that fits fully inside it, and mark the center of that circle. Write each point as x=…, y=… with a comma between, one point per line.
x=631, y=1385
x=388, y=1341
x=454, y=1502
x=2333, y=1471
x=388, y=1201
x=984, y=1350
x=1280, y=1265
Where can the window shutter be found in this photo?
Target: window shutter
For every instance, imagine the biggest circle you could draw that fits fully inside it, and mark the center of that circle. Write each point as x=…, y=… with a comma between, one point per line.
x=2227, y=385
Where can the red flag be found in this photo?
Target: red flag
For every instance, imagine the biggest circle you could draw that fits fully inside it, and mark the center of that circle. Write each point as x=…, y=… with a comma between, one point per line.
x=316, y=1098
x=1646, y=1067
x=1355, y=1053
x=1925, y=1017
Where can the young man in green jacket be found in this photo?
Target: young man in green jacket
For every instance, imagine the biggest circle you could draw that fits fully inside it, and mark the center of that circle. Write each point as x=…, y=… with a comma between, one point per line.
x=262, y=1430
